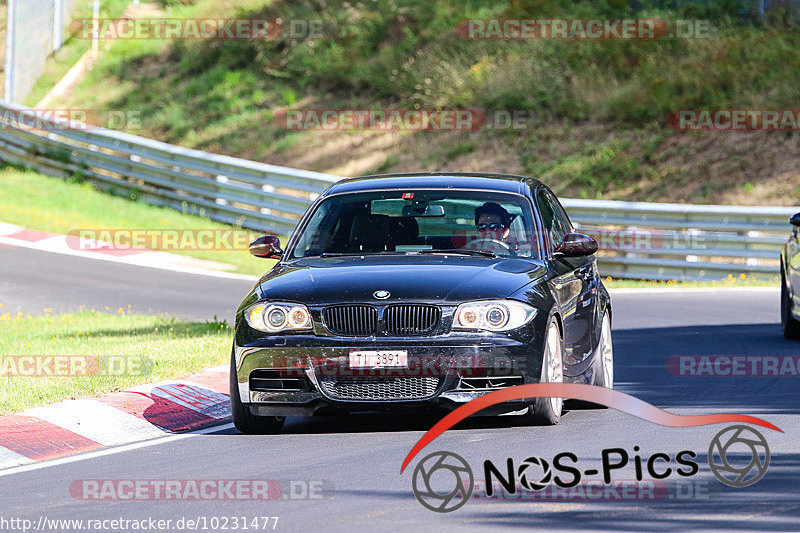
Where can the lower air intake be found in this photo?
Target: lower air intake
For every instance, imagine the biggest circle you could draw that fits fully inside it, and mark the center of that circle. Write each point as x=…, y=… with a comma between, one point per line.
x=379, y=388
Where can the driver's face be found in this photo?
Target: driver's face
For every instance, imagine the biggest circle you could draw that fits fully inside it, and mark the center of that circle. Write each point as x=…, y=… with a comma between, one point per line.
x=490, y=226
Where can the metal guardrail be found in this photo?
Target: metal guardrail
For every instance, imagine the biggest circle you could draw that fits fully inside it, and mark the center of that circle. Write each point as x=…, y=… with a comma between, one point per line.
x=684, y=242
x=237, y=191
x=638, y=240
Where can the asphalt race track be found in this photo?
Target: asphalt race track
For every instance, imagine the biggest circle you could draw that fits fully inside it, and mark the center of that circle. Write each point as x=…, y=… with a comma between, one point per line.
x=31, y=280
x=360, y=456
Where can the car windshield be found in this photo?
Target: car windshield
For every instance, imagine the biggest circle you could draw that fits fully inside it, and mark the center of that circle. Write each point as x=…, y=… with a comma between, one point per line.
x=476, y=223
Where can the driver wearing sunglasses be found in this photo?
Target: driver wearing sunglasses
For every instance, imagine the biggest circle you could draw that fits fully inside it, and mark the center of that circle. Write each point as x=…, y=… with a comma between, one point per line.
x=493, y=223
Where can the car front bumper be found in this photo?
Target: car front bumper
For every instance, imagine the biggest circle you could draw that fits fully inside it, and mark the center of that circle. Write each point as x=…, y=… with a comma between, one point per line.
x=464, y=367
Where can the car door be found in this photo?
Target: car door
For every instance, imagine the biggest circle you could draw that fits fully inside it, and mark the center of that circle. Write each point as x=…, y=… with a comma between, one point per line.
x=573, y=284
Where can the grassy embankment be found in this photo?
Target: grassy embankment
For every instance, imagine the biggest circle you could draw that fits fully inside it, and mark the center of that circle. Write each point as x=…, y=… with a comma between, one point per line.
x=597, y=126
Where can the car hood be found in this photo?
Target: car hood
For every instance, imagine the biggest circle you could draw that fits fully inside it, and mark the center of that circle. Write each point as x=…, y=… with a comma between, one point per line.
x=421, y=278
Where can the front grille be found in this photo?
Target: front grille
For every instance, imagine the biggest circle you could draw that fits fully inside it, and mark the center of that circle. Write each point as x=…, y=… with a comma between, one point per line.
x=379, y=388
x=351, y=319
x=408, y=320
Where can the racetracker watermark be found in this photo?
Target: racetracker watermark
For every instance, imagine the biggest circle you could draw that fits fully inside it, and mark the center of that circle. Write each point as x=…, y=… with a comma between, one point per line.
x=643, y=240
x=734, y=119
x=49, y=366
x=600, y=29
x=120, y=239
x=398, y=363
x=71, y=119
x=178, y=29
x=199, y=489
x=381, y=119
x=384, y=120
x=596, y=490
x=734, y=366
x=150, y=524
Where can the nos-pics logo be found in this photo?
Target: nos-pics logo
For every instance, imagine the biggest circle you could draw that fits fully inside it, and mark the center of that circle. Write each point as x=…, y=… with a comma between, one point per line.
x=443, y=481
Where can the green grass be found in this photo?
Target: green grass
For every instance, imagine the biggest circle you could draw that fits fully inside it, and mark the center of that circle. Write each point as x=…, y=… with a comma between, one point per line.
x=172, y=348
x=416, y=58
x=592, y=171
x=51, y=204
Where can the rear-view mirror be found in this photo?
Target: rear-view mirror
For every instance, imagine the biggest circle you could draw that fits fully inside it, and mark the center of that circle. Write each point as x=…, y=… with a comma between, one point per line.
x=423, y=210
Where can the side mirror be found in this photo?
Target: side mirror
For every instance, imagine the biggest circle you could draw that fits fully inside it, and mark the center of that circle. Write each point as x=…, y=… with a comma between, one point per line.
x=795, y=220
x=266, y=247
x=576, y=245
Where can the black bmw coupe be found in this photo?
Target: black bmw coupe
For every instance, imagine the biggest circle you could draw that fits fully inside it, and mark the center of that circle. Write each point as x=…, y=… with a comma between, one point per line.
x=420, y=291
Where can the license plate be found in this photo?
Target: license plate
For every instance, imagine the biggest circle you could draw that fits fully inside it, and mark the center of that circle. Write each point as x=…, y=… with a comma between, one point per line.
x=379, y=359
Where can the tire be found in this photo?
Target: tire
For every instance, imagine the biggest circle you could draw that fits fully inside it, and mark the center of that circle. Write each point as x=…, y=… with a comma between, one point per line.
x=789, y=324
x=547, y=411
x=604, y=359
x=243, y=419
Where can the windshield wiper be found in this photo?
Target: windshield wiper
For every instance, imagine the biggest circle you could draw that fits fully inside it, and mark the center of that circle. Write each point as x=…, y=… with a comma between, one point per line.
x=460, y=251
x=355, y=254
x=449, y=251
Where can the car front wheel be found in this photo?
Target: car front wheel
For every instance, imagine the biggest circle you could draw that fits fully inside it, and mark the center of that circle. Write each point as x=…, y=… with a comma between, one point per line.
x=547, y=411
x=243, y=419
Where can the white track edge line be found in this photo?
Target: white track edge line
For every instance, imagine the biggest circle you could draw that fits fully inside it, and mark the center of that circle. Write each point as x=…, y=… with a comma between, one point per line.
x=111, y=450
x=115, y=259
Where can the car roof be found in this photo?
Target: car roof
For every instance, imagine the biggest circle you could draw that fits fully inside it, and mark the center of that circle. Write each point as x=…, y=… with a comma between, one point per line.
x=436, y=180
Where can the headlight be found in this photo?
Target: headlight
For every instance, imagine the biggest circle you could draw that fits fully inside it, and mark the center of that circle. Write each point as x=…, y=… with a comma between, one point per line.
x=274, y=317
x=499, y=315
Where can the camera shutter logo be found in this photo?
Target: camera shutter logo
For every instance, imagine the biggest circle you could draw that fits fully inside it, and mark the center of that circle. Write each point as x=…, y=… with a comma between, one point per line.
x=527, y=477
x=443, y=482
x=727, y=456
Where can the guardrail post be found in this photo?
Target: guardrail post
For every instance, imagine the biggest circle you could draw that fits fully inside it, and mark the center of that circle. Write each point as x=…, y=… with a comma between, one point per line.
x=221, y=201
x=751, y=261
x=11, y=50
x=96, y=34
x=58, y=24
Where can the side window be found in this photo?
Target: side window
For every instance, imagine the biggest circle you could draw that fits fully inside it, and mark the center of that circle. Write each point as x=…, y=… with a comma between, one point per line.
x=556, y=222
x=561, y=215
